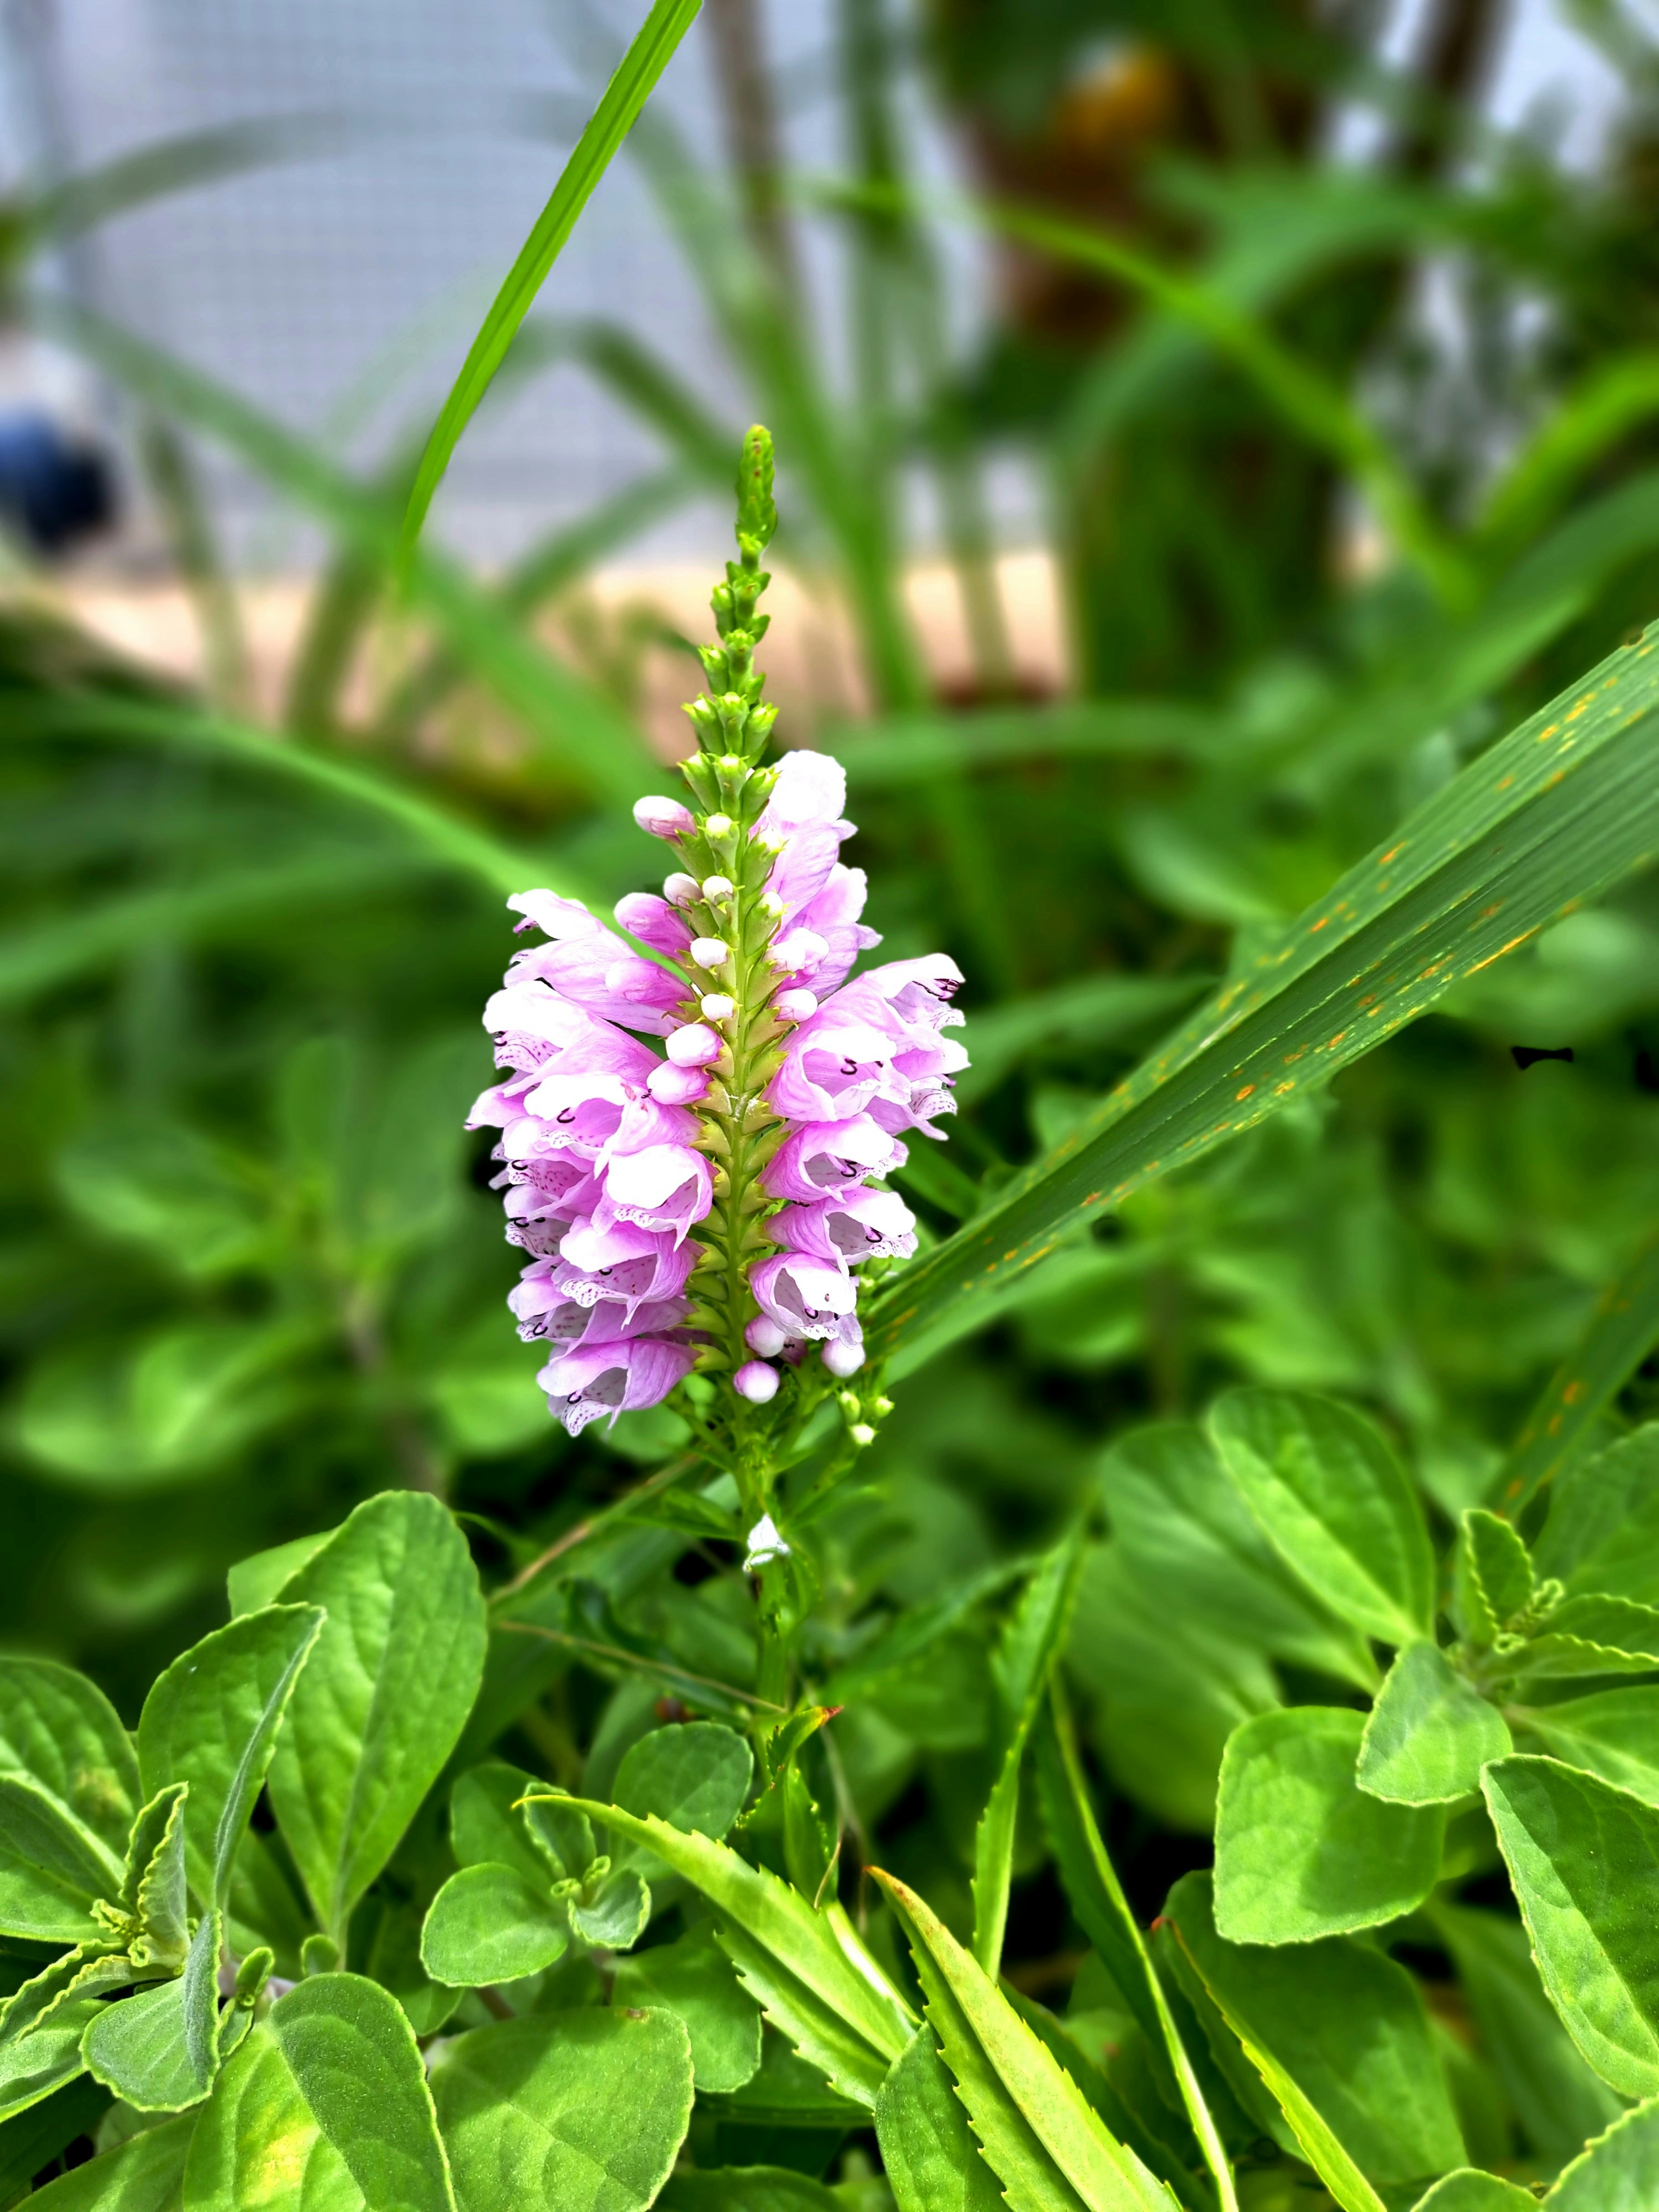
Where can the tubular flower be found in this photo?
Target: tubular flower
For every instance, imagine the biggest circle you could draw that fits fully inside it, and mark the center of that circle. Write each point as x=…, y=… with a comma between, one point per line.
x=706, y=1199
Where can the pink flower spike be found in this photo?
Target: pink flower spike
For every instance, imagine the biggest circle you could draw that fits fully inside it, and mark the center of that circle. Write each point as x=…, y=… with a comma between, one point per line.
x=654, y=922
x=662, y=818
x=694, y=1046
x=756, y=1381
x=764, y=1336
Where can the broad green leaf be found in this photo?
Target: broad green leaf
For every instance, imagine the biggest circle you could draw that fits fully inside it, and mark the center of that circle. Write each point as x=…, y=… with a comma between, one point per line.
x=490, y=1826
x=1559, y=2100
x=1585, y=1860
x=32, y=2141
x=1552, y=814
x=786, y=2092
x=1467, y=2191
x=51, y=1867
x=253, y=1583
x=694, y=1979
x=62, y=1729
x=613, y=1919
x=1602, y=1533
x=933, y=2160
x=1429, y=1734
x=1182, y=1524
x=1041, y=2137
x=1612, y=1733
x=583, y=2108
x=489, y=1924
x=212, y=1720
x=383, y=1696
x=146, y=2173
x=653, y=47
x=806, y=1970
x=1619, y=1337
x=1347, y=2025
x=1619, y=2172
x=85, y=1971
x=748, y=2189
x=1333, y=1500
x=1032, y=1635
x=562, y=1840
x=1101, y=1910
x=159, y=2050
x=695, y=1776
x=1592, y=1636
x=1494, y=1574
x=36, y=2064
x=325, y=2108
x=1300, y=1850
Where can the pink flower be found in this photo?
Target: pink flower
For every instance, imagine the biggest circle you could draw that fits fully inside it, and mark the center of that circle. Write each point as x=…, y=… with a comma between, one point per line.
x=618, y=1376
x=829, y=1158
x=806, y=1296
x=864, y=1224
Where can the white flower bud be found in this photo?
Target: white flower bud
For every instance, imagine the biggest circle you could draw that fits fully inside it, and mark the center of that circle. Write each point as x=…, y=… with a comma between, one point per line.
x=772, y=905
x=862, y=1434
x=843, y=1359
x=764, y=1541
x=764, y=1336
x=693, y=1046
x=717, y=1007
x=795, y=1006
x=710, y=951
x=717, y=887
x=757, y=1382
x=679, y=890
x=717, y=825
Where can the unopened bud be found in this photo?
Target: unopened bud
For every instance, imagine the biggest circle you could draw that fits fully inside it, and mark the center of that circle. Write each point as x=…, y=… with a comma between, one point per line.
x=717, y=887
x=844, y=1360
x=795, y=1006
x=662, y=818
x=710, y=951
x=717, y=1007
x=801, y=949
x=756, y=1381
x=862, y=1434
x=679, y=890
x=717, y=825
x=671, y=1085
x=764, y=1336
x=771, y=906
x=693, y=1046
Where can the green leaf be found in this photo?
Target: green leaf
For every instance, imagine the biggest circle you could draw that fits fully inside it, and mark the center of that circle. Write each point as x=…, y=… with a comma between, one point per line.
x=62, y=1729
x=1558, y=2099
x=384, y=1695
x=806, y=1970
x=748, y=2189
x=653, y=47
x=212, y=1720
x=584, y=2108
x=694, y=1979
x=1619, y=2172
x=253, y=1583
x=1034, y=1632
x=1300, y=1850
x=1555, y=812
x=614, y=1918
x=156, y=1890
x=36, y=2064
x=695, y=1776
x=85, y=1971
x=31, y=2140
x=933, y=2162
x=562, y=1840
x=146, y=2173
x=1495, y=1579
x=1347, y=2026
x=1184, y=1526
x=1467, y=2190
x=325, y=2108
x=1429, y=1734
x=1592, y=1636
x=1041, y=2137
x=489, y=1924
x=1603, y=1532
x=1333, y=1502
x=1585, y=1860
x=51, y=1867
x=489, y=1826
x=159, y=2050
x=1096, y=1899
x=1613, y=1733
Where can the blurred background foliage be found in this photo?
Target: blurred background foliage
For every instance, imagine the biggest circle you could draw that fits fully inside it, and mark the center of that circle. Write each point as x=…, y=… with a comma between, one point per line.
x=1340, y=405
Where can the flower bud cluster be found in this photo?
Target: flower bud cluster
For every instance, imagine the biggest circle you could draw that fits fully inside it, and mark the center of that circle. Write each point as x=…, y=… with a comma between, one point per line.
x=708, y=1207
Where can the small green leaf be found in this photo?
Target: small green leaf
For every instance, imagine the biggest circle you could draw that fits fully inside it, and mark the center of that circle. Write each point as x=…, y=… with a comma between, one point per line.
x=35, y=2065
x=212, y=1720
x=806, y=1970
x=1467, y=2191
x=694, y=1776
x=614, y=1918
x=1602, y=1533
x=694, y=1979
x=159, y=1894
x=1344, y=2023
x=1300, y=1850
x=1333, y=1502
x=61, y=1728
x=253, y=1583
x=52, y=1867
x=1585, y=1860
x=932, y=2160
x=1429, y=1734
x=1612, y=1733
x=488, y=1924
x=384, y=1694
x=159, y=2051
x=1592, y=1636
x=325, y=2108
x=748, y=2189
x=1617, y=2172
x=145, y=2173
x=82, y=1972
x=584, y=2108
x=489, y=1826
x=1042, y=2138
x=562, y=1838
x=1495, y=1580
